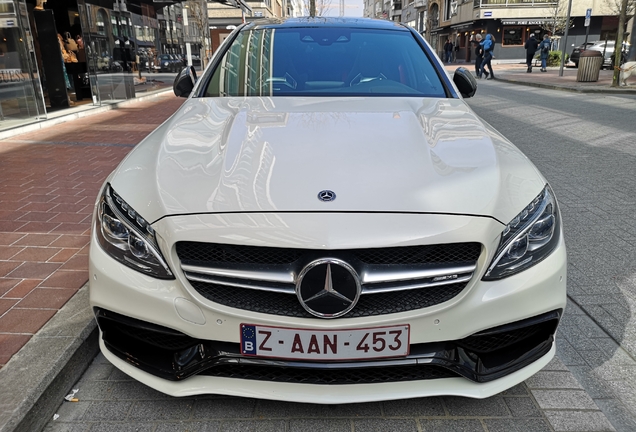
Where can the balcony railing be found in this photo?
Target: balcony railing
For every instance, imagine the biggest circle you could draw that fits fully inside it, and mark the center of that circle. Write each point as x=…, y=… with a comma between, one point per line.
x=513, y=3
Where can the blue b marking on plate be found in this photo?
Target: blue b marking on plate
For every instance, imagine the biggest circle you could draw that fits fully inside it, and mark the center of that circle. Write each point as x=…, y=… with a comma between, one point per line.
x=248, y=339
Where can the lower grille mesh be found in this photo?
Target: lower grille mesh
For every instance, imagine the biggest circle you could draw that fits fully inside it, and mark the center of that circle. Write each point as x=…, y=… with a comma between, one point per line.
x=287, y=305
x=331, y=376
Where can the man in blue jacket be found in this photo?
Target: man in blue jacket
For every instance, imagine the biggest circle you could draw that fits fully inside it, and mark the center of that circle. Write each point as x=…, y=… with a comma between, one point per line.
x=488, y=45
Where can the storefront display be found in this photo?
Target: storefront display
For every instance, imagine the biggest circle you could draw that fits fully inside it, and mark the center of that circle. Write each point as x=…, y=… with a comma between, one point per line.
x=20, y=93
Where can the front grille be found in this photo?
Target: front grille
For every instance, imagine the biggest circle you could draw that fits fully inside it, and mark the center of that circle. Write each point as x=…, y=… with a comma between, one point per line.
x=287, y=305
x=371, y=375
x=393, y=280
x=195, y=253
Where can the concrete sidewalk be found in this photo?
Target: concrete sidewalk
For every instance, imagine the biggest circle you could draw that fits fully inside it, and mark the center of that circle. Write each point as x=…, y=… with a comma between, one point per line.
x=516, y=74
x=49, y=180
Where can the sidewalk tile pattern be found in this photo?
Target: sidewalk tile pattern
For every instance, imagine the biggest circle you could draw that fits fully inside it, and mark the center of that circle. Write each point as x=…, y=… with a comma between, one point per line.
x=49, y=180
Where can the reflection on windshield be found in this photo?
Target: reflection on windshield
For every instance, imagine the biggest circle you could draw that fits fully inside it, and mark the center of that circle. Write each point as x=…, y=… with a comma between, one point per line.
x=325, y=62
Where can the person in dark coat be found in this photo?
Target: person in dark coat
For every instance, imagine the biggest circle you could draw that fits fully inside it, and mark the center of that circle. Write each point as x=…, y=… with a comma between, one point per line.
x=448, y=51
x=479, y=54
x=531, y=47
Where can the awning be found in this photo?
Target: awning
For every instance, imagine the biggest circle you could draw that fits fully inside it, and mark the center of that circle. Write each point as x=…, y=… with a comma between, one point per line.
x=525, y=22
x=241, y=4
x=463, y=26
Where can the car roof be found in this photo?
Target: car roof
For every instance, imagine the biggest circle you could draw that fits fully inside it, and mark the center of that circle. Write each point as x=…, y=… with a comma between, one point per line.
x=367, y=23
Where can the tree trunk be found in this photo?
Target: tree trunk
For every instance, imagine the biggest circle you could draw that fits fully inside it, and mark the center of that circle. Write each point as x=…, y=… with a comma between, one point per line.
x=312, y=8
x=618, y=47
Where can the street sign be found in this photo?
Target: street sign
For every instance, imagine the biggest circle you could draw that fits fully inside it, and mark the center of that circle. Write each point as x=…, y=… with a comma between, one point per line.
x=588, y=17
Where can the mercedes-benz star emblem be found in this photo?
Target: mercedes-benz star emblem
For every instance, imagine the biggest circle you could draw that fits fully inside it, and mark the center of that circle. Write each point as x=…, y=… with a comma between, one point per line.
x=328, y=288
x=326, y=195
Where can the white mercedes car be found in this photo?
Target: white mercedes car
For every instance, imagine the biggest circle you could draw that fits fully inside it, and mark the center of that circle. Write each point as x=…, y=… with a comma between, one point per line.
x=326, y=220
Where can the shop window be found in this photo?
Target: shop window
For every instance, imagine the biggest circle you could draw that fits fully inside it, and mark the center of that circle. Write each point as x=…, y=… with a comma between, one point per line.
x=513, y=36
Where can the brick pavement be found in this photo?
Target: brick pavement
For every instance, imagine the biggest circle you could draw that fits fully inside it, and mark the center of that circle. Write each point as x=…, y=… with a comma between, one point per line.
x=49, y=180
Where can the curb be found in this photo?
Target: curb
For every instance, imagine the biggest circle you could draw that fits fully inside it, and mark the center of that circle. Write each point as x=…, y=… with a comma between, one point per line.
x=43, y=124
x=36, y=379
x=570, y=89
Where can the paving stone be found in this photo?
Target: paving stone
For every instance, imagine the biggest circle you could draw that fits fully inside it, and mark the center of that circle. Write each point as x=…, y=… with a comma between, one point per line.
x=320, y=425
x=131, y=390
x=385, y=425
x=253, y=426
x=563, y=399
x=224, y=408
x=277, y=409
x=569, y=355
x=518, y=390
x=107, y=410
x=621, y=418
x=552, y=380
x=422, y=407
x=461, y=425
x=522, y=407
x=589, y=380
x=555, y=365
x=173, y=409
x=579, y=421
x=58, y=426
x=188, y=426
x=122, y=427
x=490, y=407
x=517, y=425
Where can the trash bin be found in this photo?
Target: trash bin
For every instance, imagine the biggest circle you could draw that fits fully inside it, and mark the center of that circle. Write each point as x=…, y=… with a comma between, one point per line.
x=590, y=63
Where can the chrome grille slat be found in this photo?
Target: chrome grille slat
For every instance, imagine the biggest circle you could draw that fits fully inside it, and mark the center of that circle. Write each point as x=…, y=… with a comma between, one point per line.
x=270, y=276
x=204, y=278
x=412, y=286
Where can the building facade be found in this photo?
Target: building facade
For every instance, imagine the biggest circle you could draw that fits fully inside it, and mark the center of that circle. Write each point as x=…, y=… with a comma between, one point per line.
x=59, y=54
x=509, y=21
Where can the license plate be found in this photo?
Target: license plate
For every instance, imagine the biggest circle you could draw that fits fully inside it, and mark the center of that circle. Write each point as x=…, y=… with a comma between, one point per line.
x=305, y=344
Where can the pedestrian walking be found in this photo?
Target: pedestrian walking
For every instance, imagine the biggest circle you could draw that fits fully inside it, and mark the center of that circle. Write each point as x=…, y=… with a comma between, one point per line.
x=479, y=54
x=488, y=46
x=531, y=47
x=544, y=50
x=448, y=51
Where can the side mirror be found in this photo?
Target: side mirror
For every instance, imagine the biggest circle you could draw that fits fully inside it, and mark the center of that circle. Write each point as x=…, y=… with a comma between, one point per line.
x=184, y=82
x=465, y=82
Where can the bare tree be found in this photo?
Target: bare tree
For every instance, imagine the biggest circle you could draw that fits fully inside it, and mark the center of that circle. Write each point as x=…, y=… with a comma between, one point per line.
x=322, y=7
x=198, y=30
x=557, y=18
x=616, y=5
x=625, y=10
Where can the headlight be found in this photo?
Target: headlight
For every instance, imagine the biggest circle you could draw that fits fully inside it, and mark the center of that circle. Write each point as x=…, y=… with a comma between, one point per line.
x=165, y=64
x=127, y=237
x=529, y=238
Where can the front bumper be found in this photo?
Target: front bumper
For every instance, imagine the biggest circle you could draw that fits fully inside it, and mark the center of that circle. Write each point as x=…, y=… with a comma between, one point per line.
x=482, y=357
x=206, y=356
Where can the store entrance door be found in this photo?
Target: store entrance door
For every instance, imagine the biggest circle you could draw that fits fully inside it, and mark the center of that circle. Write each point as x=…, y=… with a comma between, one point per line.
x=92, y=53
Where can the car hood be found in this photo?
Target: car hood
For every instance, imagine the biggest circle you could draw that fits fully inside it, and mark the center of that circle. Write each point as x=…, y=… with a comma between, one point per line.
x=377, y=154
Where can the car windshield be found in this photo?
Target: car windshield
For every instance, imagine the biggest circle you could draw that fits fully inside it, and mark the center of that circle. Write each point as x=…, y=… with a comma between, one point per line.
x=329, y=61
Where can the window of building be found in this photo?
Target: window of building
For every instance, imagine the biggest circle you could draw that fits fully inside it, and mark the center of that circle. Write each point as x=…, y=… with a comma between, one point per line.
x=447, y=10
x=512, y=36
